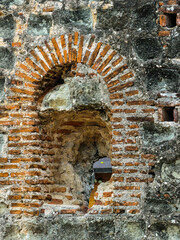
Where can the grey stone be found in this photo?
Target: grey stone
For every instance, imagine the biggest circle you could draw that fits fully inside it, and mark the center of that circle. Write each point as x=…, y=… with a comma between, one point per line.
x=13, y=2
x=101, y=229
x=2, y=140
x=131, y=230
x=2, y=92
x=145, y=17
x=6, y=58
x=78, y=18
x=171, y=171
x=39, y=25
x=157, y=206
x=162, y=80
x=111, y=18
x=147, y=48
x=7, y=26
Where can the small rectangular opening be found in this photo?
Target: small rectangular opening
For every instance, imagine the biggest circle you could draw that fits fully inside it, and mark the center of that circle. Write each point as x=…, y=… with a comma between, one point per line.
x=168, y=114
x=171, y=20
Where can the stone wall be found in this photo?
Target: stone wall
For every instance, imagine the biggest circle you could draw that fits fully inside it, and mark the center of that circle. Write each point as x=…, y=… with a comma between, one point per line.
x=80, y=80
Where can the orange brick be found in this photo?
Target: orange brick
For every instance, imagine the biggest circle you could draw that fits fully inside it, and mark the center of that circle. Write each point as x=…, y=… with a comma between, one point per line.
x=105, y=63
x=130, y=171
x=133, y=133
x=69, y=197
x=86, y=56
x=70, y=47
x=4, y=174
x=63, y=41
x=116, y=72
x=68, y=211
x=172, y=2
x=48, y=9
x=16, y=44
x=44, y=54
x=23, y=91
x=52, y=54
x=80, y=49
x=120, y=87
x=116, y=96
x=76, y=35
x=8, y=166
x=16, y=211
x=117, y=61
x=91, y=41
x=112, y=83
x=128, y=188
x=14, y=197
x=131, y=103
x=106, y=211
x=164, y=33
x=117, y=103
x=58, y=189
x=118, y=179
x=26, y=77
x=134, y=211
x=56, y=201
x=56, y=47
x=127, y=76
x=74, y=55
x=162, y=20
x=131, y=93
x=136, y=195
x=106, y=71
x=33, y=65
x=94, y=54
x=3, y=160
x=107, y=194
x=148, y=110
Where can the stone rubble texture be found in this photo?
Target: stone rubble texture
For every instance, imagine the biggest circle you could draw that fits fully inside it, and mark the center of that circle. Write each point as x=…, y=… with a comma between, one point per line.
x=60, y=114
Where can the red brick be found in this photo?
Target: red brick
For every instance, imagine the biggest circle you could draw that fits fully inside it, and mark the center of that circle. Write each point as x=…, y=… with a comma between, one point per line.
x=120, y=87
x=68, y=211
x=76, y=38
x=80, y=50
x=94, y=54
x=164, y=33
x=56, y=47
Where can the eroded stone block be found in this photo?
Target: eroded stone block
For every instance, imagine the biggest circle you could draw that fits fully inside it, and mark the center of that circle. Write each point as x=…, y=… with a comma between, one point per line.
x=39, y=25
x=6, y=58
x=7, y=26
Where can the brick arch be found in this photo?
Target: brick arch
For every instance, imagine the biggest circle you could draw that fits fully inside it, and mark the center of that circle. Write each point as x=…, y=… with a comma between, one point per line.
x=29, y=83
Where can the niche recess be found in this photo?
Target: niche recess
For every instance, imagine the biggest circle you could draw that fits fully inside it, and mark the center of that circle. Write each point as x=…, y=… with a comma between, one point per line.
x=75, y=118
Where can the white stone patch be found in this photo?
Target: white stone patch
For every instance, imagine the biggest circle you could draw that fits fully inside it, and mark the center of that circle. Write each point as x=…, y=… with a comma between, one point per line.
x=58, y=99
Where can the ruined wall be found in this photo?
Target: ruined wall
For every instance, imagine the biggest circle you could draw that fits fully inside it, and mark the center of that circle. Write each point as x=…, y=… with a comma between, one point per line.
x=81, y=80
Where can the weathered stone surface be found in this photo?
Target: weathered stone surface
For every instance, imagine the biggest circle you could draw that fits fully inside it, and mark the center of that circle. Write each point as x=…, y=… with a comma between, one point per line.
x=171, y=171
x=162, y=80
x=79, y=18
x=131, y=230
x=98, y=229
x=39, y=24
x=2, y=92
x=145, y=17
x=6, y=58
x=147, y=48
x=7, y=26
x=78, y=92
x=2, y=140
x=157, y=206
x=111, y=18
x=12, y=2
